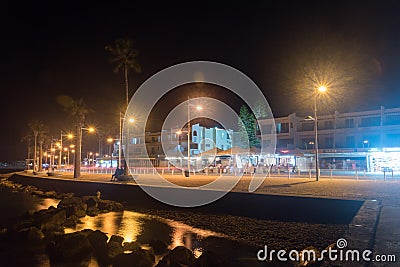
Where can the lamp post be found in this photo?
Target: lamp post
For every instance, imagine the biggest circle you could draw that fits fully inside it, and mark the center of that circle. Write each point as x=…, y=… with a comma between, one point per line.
x=78, y=152
x=70, y=136
x=188, y=132
x=121, y=119
x=320, y=89
x=110, y=140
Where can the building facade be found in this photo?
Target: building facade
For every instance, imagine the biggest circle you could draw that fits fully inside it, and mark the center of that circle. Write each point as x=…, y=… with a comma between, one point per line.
x=365, y=140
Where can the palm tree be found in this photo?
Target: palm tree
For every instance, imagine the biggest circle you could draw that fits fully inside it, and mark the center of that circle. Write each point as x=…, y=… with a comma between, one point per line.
x=124, y=55
x=77, y=109
x=38, y=130
x=28, y=139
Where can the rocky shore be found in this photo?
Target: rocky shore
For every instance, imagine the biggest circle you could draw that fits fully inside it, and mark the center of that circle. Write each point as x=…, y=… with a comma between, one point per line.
x=41, y=234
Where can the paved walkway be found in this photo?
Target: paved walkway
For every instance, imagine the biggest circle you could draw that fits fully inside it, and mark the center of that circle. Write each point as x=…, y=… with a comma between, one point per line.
x=376, y=226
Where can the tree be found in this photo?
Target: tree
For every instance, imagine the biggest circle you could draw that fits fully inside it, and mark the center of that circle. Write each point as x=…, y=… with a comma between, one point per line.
x=247, y=127
x=77, y=109
x=38, y=130
x=28, y=139
x=260, y=109
x=124, y=55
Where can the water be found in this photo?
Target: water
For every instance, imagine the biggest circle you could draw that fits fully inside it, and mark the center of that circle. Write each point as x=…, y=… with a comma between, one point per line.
x=131, y=225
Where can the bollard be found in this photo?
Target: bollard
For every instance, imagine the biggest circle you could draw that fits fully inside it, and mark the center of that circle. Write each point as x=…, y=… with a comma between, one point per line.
x=392, y=174
x=298, y=171
x=288, y=174
x=279, y=171
x=172, y=171
x=384, y=175
x=162, y=171
x=331, y=174
x=309, y=174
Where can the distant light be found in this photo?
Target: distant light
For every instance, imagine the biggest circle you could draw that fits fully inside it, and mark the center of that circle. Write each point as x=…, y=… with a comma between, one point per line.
x=179, y=132
x=131, y=120
x=199, y=107
x=91, y=129
x=70, y=136
x=109, y=140
x=322, y=89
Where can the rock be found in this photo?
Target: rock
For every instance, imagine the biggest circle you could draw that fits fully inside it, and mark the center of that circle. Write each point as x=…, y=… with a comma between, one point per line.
x=50, y=218
x=38, y=193
x=209, y=259
x=114, y=249
x=177, y=257
x=137, y=258
x=132, y=246
x=50, y=194
x=73, y=206
x=116, y=238
x=71, y=221
x=159, y=247
x=69, y=248
x=90, y=201
x=32, y=234
x=92, y=211
x=98, y=240
x=109, y=205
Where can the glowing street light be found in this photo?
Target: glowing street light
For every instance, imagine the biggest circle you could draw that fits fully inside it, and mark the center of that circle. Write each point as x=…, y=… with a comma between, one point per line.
x=319, y=90
x=198, y=108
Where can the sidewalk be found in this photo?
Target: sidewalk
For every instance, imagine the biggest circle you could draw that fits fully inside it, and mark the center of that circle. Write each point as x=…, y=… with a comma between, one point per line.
x=375, y=227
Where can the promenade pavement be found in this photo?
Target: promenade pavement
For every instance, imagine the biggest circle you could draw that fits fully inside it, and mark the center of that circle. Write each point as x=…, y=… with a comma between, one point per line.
x=376, y=226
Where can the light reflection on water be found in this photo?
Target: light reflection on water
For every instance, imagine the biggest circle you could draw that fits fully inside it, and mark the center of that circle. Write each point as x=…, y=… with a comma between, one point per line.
x=134, y=226
x=45, y=203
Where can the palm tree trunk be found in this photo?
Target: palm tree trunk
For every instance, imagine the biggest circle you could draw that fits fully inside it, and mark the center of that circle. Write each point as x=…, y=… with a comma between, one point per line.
x=41, y=156
x=34, y=154
x=78, y=152
x=29, y=154
x=126, y=85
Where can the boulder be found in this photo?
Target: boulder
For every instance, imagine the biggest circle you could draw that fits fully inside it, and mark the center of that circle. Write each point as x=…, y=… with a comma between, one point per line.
x=72, y=247
x=159, y=247
x=177, y=257
x=116, y=238
x=139, y=258
x=131, y=246
x=90, y=201
x=92, y=211
x=210, y=259
x=50, y=218
x=31, y=234
x=109, y=205
x=73, y=206
x=114, y=249
x=71, y=221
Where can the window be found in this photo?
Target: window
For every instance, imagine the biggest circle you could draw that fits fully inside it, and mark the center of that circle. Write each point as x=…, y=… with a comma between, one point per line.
x=282, y=127
x=329, y=142
x=370, y=121
x=393, y=119
x=350, y=141
x=194, y=133
x=349, y=123
x=266, y=128
x=328, y=125
x=307, y=126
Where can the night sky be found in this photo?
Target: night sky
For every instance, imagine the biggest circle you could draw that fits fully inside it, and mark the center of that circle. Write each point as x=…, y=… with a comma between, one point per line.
x=57, y=48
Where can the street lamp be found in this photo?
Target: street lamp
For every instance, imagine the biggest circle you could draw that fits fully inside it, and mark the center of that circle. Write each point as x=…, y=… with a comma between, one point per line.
x=77, y=161
x=318, y=90
x=198, y=108
x=60, y=145
x=121, y=119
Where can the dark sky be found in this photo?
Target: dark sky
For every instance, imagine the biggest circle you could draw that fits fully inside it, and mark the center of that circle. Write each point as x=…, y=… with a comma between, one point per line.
x=57, y=48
